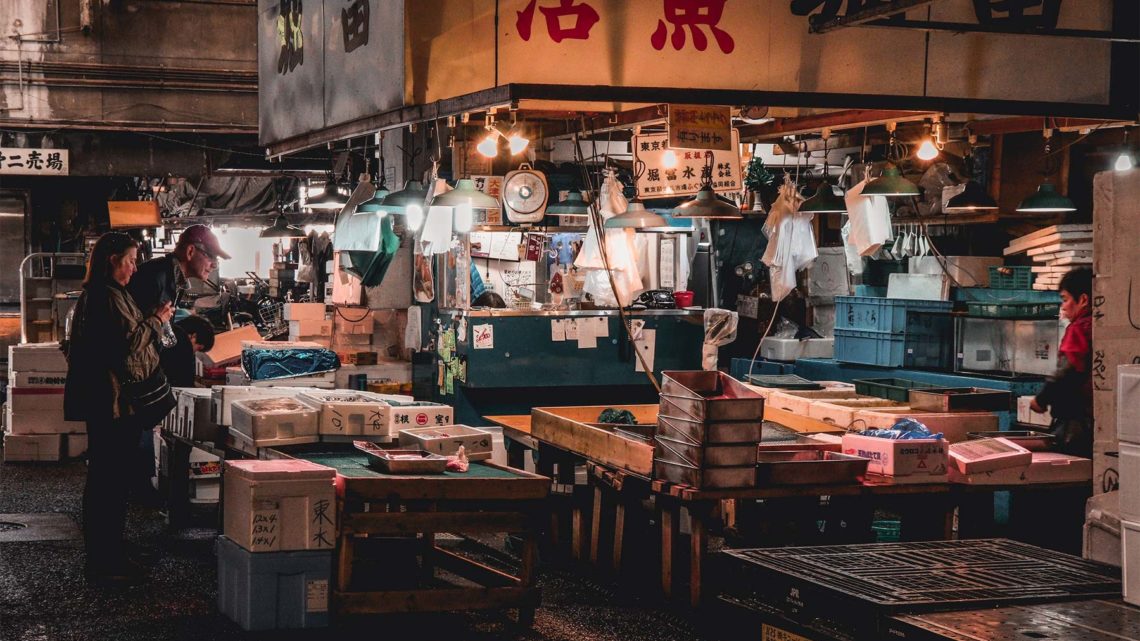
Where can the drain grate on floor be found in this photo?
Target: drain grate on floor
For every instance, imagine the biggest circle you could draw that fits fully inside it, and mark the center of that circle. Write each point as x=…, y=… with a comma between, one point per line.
x=43, y=526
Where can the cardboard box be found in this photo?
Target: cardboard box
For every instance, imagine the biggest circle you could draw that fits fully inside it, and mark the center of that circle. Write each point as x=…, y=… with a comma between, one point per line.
x=353, y=320
x=346, y=412
x=36, y=357
x=27, y=422
x=397, y=416
x=74, y=445
x=38, y=380
x=32, y=447
x=322, y=328
x=988, y=454
x=1102, y=529
x=35, y=399
x=961, y=271
x=1045, y=467
x=447, y=440
x=912, y=457
x=228, y=345
x=265, y=420
x=273, y=506
x=304, y=311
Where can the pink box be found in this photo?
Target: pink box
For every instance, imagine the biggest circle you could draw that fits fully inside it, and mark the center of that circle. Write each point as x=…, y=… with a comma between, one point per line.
x=1046, y=467
x=904, y=457
x=988, y=454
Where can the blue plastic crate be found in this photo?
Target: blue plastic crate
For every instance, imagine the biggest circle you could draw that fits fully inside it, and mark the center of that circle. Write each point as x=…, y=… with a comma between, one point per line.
x=273, y=590
x=933, y=351
x=873, y=314
x=871, y=290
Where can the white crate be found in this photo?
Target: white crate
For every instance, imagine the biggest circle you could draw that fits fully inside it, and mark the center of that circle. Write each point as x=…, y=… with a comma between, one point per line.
x=225, y=395
x=264, y=420
x=346, y=412
x=280, y=505
x=790, y=349
x=1129, y=468
x=397, y=417
x=1128, y=403
x=29, y=422
x=447, y=440
x=1130, y=559
x=36, y=357
x=21, y=399
x=32, y=447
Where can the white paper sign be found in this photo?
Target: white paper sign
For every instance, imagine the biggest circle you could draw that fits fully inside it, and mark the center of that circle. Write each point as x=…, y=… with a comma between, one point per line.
x=317, y=596
x=646, y=346
x=484, y=336
x=587, y=339
x=16, y=161
x=681, y=172
x=571, y=327
x=557, y=331
x=601, y=327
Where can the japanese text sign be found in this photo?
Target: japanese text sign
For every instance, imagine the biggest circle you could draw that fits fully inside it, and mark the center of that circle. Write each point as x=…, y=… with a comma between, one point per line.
x=682, y=172
x=16, y=161
x=700, y=127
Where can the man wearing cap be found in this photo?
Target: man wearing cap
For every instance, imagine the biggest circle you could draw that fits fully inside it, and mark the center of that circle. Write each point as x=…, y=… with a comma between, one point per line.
x=157, y=281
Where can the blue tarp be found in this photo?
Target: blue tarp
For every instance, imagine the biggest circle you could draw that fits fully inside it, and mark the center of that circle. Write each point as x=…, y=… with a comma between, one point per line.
x=262, y=364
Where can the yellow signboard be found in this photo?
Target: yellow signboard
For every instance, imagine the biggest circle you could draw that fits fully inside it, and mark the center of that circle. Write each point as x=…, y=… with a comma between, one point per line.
x=700, y=127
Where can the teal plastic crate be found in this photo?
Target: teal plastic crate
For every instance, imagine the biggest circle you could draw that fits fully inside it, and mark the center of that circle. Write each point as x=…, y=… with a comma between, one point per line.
x=1014, y=310
x=273, y=590
x=892, y=315
x=871, y=290
x=1009, y=303
x=892, y=389
x=883, y=349
x=1011, y=277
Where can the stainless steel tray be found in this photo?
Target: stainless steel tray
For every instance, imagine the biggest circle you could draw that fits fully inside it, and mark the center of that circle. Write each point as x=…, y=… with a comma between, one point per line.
x=949, y=399
x=711, y=396
x=675, y=424
x=704, y=456
x=808, y=467
x=402, y=461
x=1030, y=440
x=711, y=478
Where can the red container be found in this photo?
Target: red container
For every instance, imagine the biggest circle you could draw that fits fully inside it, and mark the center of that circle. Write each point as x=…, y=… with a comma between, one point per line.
x=683, y=299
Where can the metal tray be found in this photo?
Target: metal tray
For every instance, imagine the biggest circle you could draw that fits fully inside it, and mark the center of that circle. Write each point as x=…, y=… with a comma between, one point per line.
x=402, y=461
x=675, y=424
x=783, y=381
x=711, y=396
x=704, y=456
x=808, y=467
x=1030, y=440
x=712, y=478
x=950, y=399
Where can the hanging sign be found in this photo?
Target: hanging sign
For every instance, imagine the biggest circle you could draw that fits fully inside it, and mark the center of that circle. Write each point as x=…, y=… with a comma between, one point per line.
x=18, y=161
x=668, y=172
x=700, y=127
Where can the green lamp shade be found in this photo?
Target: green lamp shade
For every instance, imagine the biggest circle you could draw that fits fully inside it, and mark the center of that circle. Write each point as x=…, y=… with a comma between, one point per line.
x=824, y=201
x=636, y=216
x=890, y=183
x=375, y=203
x=1046, y=200
x=706, y=204
x=465, y=192
x=573, y=205
x=973, y=198
x=282, y=229
x=329, y=198
x=413, y=193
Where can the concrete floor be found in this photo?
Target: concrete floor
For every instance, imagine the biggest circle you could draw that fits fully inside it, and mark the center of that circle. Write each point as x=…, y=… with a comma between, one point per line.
x=43, y=596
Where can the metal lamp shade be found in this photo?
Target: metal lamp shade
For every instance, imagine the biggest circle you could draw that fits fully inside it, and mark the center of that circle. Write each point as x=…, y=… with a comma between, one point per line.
x=636, y=216
x=824, y=201
x=413, y=193
x=282, y=229
x=973, y=198
x=465, y=193
x=706, y=204
x=574, y=205
x=330, y=198
x=891, y=183
x=1046, y=200
x=375, y=203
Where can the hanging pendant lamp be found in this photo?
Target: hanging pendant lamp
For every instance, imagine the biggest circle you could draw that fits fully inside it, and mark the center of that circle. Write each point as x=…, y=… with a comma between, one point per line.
x=465, y=193
x=891, y=184
x=1046, y=200
x=707, y=204
x=572, y=205
x=376, y=204
x=973, y=198
x=330, y=198
x=413, y=193
x=282, y=229
x=636, y=216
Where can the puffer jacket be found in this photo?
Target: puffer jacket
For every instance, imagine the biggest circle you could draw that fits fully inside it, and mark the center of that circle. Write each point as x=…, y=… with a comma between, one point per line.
x=111, y=343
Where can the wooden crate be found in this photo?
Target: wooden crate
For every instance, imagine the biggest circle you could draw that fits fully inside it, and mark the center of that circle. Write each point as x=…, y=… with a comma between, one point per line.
x=575, y=429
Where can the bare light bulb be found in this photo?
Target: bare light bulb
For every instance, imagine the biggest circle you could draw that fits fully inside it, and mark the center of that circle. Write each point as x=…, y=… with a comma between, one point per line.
x=1124, y=162
x=669, y=159
x=517, y=143
x=927, y=150
x=415, y=217
x=489, y=146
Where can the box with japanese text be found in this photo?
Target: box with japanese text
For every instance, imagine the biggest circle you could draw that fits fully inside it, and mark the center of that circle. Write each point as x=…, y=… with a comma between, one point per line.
x=397, y=416
x=899, y=457
x=279, y=505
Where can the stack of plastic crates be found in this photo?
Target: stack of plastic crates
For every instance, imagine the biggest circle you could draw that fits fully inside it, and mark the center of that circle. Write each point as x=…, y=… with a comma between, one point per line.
x=1009, y=303
x=1011, y=277
x=891, y=332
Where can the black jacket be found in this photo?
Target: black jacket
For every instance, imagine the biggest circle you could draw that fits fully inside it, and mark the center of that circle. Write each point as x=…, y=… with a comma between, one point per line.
x=178, y=362
x=155, y=282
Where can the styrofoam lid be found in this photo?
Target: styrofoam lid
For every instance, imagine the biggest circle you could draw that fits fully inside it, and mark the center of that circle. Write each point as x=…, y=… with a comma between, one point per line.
x=283, y=469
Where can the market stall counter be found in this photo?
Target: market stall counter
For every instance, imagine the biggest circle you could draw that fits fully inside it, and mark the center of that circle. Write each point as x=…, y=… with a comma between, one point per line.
x=486, y=499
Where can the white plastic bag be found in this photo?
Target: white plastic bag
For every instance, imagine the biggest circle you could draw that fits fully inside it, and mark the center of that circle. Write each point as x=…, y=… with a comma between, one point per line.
x=791, y=242
x=720, y=329
x=869, y=218
x=621, y=249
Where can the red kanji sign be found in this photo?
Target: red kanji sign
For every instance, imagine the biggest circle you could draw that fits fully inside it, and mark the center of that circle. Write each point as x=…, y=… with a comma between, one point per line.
x=585, y=17
x=693, y=14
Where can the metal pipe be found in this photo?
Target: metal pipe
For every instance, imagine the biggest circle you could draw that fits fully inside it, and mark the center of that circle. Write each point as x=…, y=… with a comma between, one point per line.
x=97, y=123
x=87, y=83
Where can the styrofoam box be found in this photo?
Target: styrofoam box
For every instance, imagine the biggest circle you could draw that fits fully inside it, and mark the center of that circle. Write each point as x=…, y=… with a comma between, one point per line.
x=36, y=357
x=1129, y=468
x=396, y=417
x=889, y=457
x=225, y=395
x=790, y=349
x=304, y=311
x=1102, y=529
x=324, y=380
x=74, y=445
x=195, y=414
x=263, y=420
x=205, y=490
x=38, y=399
x=204, y=465
x=1130, y=559
x=918, y=287
x=273, y=590
x=32, y=447
x=827, y=276
x=353, y=320
x=447, y=440
x=988, y=454
x=29, y=422
x=1128, y=403
x=345, y=412
x=37, y=380
x=310, y=327
x=1027, y=416
x=279, y=505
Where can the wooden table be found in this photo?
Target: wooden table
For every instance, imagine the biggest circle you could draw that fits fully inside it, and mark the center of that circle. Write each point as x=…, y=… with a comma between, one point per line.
x=516, y=433
x=487, y=499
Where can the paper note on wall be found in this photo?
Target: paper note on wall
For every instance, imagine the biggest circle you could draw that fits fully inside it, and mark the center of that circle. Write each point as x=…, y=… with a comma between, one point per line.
x=601, y=327
x=317, y=596
x=484, y=336
x=571, y=327
x=646, y=346
x=587, y=338
x=557, y=331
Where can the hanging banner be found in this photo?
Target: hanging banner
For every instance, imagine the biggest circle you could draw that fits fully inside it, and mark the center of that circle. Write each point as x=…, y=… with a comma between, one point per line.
x=668, y=172
x=19, y=161
x=700, y=127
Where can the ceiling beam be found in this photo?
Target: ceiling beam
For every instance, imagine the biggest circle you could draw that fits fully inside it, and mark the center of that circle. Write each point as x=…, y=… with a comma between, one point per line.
x=867, y=15
x=1023, y=124
x=834, y=120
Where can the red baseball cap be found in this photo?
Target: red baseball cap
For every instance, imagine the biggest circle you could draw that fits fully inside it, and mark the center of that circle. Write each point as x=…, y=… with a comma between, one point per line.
x=201, y=235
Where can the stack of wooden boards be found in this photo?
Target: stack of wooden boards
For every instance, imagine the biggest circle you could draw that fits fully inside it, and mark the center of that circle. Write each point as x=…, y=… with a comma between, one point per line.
x=1055, y=250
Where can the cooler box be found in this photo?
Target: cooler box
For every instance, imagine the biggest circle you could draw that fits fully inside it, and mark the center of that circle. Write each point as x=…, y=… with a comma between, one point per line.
x=988, y=454
x=225, y=395
x=447, y=440
x=36, y=357
x=264, y=422
x=922, y=458
x=274, y=590
x=346, y=412
x=32, y=447
x=279, y=505
x=396, y=416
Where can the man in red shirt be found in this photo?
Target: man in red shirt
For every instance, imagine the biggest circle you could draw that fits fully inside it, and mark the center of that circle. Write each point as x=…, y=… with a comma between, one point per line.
x=1068, y=393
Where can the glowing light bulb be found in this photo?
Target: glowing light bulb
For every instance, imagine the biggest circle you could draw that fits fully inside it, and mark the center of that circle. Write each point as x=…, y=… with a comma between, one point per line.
x=518, y=144
x=669, y=159
x=1124, y=162
x=415, y=217
x=927, y=150
x=489, y=146
x=464, y=218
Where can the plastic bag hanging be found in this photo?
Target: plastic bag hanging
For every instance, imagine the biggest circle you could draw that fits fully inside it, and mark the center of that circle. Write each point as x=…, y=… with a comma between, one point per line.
x=720, y=329
x=620, y=249
x=791, y=241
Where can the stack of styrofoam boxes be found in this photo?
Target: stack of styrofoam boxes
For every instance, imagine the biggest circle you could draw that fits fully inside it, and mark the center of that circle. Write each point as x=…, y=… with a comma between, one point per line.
x=1128, y=432
x=307, y=323
x=275, y=555
x=352, y=332
x=269, y=422
x=827, y=279
x=347, y=415
x=282, y=279
x=194, y=420
x=36, y=430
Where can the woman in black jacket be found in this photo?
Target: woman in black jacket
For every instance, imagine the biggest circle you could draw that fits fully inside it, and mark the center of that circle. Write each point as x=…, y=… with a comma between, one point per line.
x=111, y=345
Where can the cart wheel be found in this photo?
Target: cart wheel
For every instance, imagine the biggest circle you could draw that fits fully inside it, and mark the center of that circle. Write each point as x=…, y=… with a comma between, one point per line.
x=526, y=617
